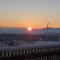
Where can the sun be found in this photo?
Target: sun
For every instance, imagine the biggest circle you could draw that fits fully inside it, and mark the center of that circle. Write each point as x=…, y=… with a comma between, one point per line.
x=29, y=28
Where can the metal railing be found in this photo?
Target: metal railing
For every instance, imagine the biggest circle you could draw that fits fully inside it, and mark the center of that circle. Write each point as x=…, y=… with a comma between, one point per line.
x=47, y=53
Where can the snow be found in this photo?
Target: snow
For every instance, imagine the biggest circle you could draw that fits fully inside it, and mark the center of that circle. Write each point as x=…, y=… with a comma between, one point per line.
x=39, y=44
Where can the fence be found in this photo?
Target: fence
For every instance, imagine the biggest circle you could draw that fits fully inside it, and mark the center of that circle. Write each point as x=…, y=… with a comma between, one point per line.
x=40, y=53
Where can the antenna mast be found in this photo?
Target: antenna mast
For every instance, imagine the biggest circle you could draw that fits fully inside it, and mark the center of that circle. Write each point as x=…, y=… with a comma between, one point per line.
x=47, y=31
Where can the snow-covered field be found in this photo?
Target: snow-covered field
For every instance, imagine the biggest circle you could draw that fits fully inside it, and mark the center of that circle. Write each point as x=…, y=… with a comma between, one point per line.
x=37, y=44
x=23, y=44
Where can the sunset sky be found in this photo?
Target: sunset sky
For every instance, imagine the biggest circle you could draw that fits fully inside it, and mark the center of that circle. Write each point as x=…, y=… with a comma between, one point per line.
x=34, y=13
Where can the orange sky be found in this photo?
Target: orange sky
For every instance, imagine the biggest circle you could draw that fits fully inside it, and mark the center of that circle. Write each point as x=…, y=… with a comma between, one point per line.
x=33, y=24
x=34, y=13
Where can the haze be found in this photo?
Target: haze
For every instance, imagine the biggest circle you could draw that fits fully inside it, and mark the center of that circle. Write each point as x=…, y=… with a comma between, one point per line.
x=25, y=13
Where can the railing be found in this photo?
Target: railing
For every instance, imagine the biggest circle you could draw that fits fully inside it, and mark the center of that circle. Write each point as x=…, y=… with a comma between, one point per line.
x=47, y=53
